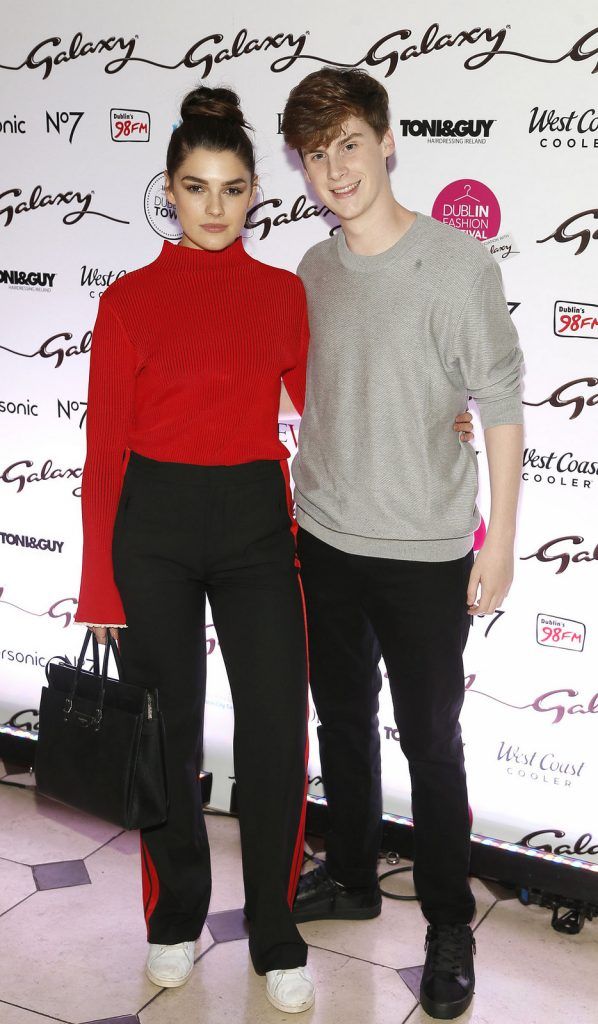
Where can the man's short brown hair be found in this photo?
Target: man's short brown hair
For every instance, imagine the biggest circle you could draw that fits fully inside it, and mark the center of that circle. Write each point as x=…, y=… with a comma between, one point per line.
x=322, y=102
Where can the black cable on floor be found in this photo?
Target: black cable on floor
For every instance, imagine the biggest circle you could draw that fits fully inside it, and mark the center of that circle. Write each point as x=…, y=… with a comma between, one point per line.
x=393, y=895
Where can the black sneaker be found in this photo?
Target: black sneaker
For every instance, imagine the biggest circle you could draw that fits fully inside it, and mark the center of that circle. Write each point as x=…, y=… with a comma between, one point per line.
x=448, y=980
x=320, y=898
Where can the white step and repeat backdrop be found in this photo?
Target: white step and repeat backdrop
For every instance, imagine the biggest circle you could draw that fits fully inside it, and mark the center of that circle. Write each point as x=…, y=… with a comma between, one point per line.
x=494, y=112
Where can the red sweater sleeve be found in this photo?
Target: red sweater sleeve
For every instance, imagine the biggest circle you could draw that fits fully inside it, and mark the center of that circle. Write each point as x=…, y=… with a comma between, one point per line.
x=109, y=413
x=294, y=378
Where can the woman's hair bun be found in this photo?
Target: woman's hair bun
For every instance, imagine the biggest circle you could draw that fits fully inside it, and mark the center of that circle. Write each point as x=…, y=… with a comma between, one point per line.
x=206, y=102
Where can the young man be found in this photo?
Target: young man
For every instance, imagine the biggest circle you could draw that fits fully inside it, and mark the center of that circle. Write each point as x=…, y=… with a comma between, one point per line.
x=408, y=318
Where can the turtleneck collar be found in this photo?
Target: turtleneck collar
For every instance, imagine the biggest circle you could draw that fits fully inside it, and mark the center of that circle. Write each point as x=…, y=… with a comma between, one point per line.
x=181, y=258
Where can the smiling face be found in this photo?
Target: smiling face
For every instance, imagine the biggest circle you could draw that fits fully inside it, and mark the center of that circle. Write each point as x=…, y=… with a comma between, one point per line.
x=212, y=192
x=350, y=175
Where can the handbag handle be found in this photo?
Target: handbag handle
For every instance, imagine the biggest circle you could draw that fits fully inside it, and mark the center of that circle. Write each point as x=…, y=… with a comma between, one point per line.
x=111, y=645
x=65, y=661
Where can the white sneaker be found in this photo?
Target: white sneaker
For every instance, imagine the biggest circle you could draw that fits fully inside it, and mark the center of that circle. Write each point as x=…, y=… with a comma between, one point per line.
x=292, y=990
x=170, y=966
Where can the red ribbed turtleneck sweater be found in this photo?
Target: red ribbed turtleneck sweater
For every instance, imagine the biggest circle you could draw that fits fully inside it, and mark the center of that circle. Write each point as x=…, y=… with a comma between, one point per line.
x=186, y=363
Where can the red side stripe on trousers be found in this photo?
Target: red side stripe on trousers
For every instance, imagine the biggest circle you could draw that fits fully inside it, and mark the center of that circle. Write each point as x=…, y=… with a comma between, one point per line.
x=299, y=841
x=150, y=882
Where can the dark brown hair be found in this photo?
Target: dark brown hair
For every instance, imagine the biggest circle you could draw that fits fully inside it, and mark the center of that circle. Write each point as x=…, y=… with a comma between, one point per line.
x=212, y=119
x=321, y=103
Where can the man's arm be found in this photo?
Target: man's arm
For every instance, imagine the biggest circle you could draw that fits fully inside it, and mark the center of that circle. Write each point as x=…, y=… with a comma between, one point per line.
x=486, y=350
x=492, y=572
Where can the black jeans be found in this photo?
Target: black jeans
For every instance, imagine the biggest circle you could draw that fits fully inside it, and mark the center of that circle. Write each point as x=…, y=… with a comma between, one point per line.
x=415, y=615
x=183, y=532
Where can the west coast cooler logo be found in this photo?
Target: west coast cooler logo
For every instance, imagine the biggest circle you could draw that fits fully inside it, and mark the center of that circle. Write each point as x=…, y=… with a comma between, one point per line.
x=161, y=215
x=470, y=206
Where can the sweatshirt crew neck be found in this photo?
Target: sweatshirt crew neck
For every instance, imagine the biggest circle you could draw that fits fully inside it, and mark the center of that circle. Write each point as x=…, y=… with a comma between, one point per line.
x=381, y=260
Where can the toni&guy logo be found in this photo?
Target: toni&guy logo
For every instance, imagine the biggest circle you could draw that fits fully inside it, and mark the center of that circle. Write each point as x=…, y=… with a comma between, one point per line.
x=208, y=51
x=448, y=131
x=23, y=540
x=35, y=280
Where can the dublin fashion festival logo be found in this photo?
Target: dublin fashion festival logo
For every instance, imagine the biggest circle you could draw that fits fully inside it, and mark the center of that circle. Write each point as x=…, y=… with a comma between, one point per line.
x=470, y=206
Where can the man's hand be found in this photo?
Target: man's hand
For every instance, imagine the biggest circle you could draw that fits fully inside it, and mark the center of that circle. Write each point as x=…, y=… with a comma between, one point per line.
x=462, y=425
x=492, y=572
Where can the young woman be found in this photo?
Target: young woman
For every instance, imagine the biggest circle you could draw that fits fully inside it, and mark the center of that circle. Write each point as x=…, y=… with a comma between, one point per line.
x=186, y=366
x=185, y=496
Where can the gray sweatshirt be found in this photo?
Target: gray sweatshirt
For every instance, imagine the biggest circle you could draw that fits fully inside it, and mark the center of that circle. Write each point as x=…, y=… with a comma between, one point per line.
x=398, y=343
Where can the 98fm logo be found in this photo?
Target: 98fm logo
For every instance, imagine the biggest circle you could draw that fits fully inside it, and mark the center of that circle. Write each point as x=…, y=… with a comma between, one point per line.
x=575, y=319
x=129, y=125
x=562, y=634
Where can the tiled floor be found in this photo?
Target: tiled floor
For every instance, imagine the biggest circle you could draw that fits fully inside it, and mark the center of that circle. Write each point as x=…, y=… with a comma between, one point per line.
x=72, y=941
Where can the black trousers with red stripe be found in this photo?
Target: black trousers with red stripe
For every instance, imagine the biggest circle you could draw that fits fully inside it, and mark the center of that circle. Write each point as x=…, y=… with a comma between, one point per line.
x=182, y=533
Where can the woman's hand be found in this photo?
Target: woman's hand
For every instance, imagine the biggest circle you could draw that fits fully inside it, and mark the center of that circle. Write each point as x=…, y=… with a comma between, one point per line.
x=101, y=633
x=462, y=425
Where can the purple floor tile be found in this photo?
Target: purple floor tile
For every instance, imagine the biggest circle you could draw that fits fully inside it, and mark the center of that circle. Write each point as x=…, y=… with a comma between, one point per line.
x=129, y=1019
x=228, y=925
x=412, y=977
x=60, y=874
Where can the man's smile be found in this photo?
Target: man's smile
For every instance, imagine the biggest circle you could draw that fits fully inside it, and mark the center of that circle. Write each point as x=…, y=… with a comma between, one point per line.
x=346, y=190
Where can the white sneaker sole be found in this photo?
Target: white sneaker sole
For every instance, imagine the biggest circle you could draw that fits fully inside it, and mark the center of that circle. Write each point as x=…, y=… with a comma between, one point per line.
x=307, y=1005
x=167, y=982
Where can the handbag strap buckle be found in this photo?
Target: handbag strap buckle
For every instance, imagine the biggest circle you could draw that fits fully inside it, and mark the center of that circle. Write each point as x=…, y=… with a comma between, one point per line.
x=68, y=707
x=96, y=720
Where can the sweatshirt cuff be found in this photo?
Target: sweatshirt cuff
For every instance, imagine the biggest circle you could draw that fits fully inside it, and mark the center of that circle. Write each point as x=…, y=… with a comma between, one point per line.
x=501, y=412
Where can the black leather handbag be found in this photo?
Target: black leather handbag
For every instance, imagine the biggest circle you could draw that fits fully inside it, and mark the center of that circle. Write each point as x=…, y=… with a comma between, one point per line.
x=100, y=746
